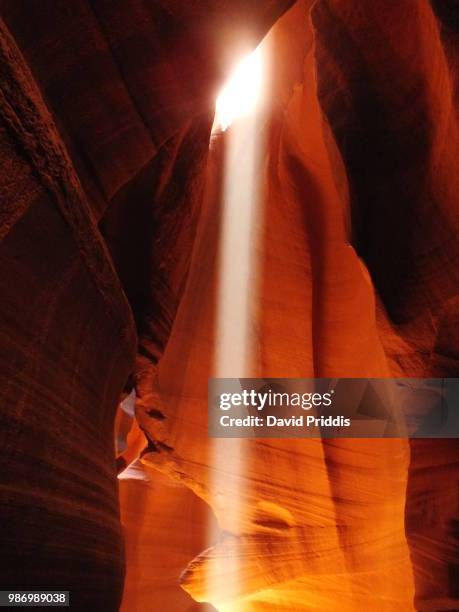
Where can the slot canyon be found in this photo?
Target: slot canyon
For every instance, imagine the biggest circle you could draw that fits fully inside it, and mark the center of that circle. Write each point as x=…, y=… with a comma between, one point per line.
x=149, y=243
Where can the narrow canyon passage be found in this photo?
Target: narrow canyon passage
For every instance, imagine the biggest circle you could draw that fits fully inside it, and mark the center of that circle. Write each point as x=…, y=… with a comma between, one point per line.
x=296, y=531
x=155, y=234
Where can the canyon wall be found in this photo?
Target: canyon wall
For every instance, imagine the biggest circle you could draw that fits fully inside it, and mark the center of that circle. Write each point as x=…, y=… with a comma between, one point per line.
x=110, y=226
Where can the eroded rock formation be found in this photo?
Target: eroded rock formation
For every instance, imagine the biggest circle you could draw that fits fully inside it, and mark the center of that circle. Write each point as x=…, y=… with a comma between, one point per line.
x=110, y=226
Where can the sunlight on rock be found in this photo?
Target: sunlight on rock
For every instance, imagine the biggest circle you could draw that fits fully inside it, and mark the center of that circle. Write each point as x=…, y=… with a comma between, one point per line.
x=242, y=92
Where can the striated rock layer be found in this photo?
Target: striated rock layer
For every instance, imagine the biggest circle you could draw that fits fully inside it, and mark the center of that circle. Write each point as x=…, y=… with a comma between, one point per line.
x=111, y=225
x=67, y=345
x=306, y=524
x=89, y=95
x=321, y=525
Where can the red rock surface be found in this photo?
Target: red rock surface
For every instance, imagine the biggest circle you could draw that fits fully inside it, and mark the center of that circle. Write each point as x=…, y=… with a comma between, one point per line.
x=110, y=218
x=67, y=344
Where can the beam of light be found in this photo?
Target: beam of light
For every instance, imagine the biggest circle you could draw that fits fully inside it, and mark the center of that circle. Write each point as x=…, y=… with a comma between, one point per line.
x=239, y=105
x=241, y=94
x=239, y=108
